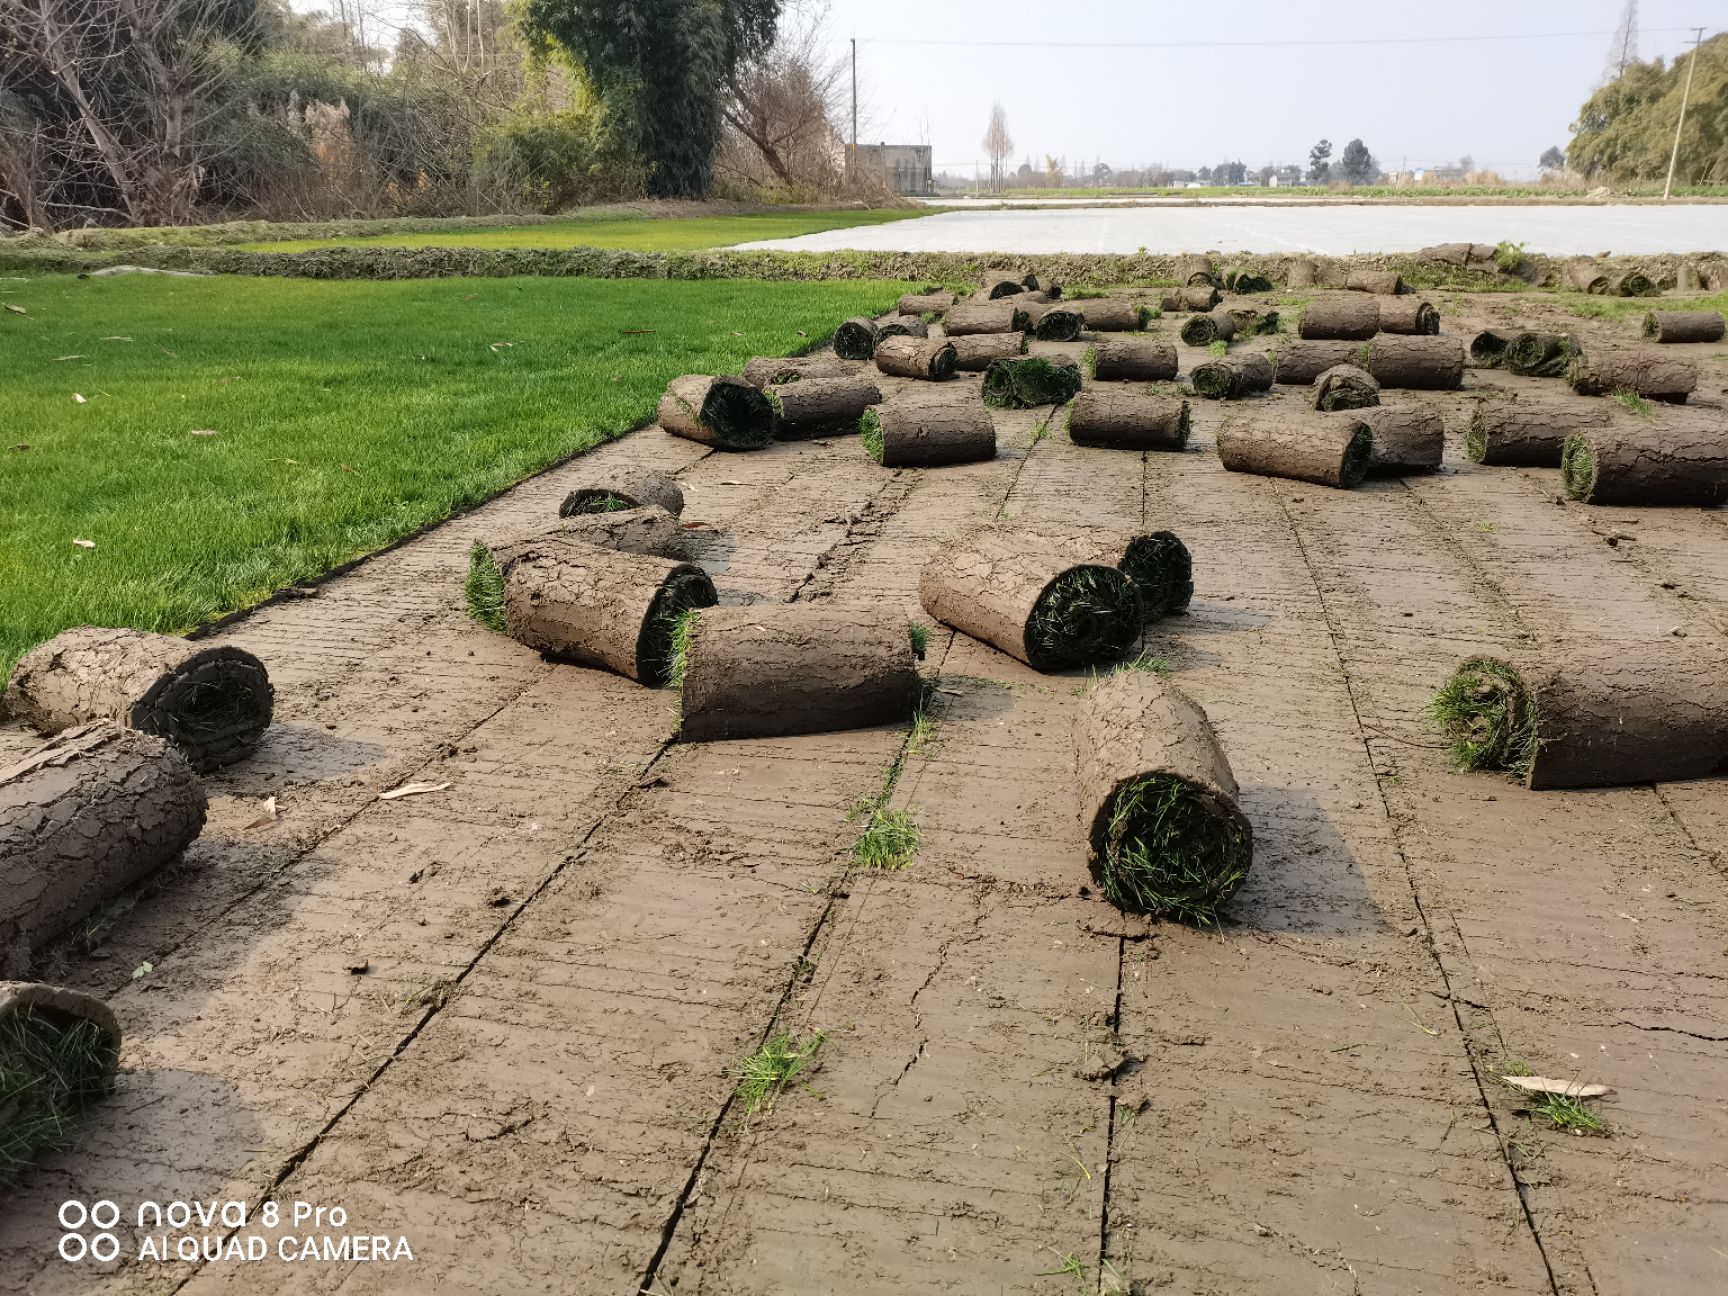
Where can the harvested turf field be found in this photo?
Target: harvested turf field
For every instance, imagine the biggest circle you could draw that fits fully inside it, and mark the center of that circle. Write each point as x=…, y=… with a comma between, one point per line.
x=845, y=1013
x=236, y=436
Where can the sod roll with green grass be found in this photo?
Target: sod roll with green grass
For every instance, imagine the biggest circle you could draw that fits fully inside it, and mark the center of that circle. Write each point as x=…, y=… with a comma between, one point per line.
x=1418, y=363
x=928, y=429
x=597, y=607
x=975, y=352
x=1516, y=434
x=901, y=326
x=766, y=371
x=1130, y=360
x=997, y=285
x=924, y=304
x=1025, y=383
x=212, y=701
x=1156, y=563
x=1022, y=592
x=1633, y=283
x=58, y=1052
x=1053, y=321
x=1232, y=377
x=1594, y=715
x=1677, y=461
x=978, y=316
x=1646, y=371
x=1409, y=315
x=1128, y=419
x=1539, y=355
x=820, y=406
x=1581, y=274
x=1251, y=317
x=1177, y=301
x=765, y=671
x=1158, y=801
x=928, y=359
x=726, y=413
x=1195, y=272
x=1488, y=348
x=624, y=488
x=646, y=530
x=1683, y=326
x=1345, y=387
x=855, y=339
x=92, y=812
x=1298, y=361
x=1328, y=449
x=1111, y=314
x=1382, y=283
x=1405, y=440
x=1303, y=272
x=1348, y=316
x=1246, y=281
x=1204, y=330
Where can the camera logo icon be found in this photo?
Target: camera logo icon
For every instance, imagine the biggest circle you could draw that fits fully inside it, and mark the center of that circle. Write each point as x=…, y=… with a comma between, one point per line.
x=102, y=1245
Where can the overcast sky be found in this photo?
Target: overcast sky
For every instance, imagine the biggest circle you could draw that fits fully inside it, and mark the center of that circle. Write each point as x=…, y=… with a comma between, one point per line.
x=1500, y=101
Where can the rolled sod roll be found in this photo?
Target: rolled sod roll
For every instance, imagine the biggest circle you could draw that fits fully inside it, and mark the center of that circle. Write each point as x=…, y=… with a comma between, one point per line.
x=1686, y=277
x=58, y=1052
x=1582, y=275
x=1128, y=420
x=1251, y=317
x=1684, y=326
x=1157, y=564
x=1601, y=715
x=1246, y=281
x=1110, y=314
x=1330, y=450
x=1052, y=321
x=925, y=303
x=976, y=316
x=1022, y=593
x=1539, y=355
x=624, y=488
x=95, y=810
x=1409, y=314
x=1204, y=330
x=1028, y=382
x=1645, y=462
x=1419, y=363
x=1488, y=348
x=1195, y=272
x=1506, y=434
x=1131, y=360
x=1298, y=361
x=902, y=326
x=931, y=359
x=1405, y=440
x=646, y=530
x=579, y=603
x=920, y=429
x=1178, y=300
x=1042, y=284
x=855, y=339
x=1350, y=317
x=1232, y=377
x=766, y=370
x=1302, y=273
x=1604, y=370
x=1158, y=800
x=974, y=352
x=1345, y=387
x=993, y=287
x=726, y=413
x=762, y=672
x=1633, y=283
x=212, y=701
x=1385, y=283
x=821, y=405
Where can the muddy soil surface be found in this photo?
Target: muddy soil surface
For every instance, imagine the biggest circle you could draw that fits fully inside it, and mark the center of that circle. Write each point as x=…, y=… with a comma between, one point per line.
x=504, y=1019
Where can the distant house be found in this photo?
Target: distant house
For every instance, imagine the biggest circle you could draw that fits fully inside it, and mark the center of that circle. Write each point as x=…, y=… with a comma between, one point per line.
x=904, y=168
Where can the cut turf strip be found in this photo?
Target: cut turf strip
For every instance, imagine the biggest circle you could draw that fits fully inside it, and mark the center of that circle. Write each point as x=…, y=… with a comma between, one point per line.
x=1158, y=800
x=928, y=430
x=1596, y=716
x=625, y=488
x=855, y=339
x=1030, y=382
x=1022, y=593
x=58, y=1053
x=818, y=406
x=1509, y=434
x=92, y=812
x=1652, y=374
x=1233, y=377
x=1675, y=462
x=1345, y=387
x=1405, y=440
x=1327, y=449
x=213, y=703
x=1128, y=420
x=1683, y=326
x=1130, y=360
x=930, y=359
x=579, y=603
x=726, y=413
x=765, y=672
x=1539, y=355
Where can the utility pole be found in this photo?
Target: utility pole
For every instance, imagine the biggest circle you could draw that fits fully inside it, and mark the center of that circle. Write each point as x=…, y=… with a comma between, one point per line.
x=1674, y=156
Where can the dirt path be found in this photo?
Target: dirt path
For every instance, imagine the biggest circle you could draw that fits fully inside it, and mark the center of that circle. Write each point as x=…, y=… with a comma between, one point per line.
x=564, y=955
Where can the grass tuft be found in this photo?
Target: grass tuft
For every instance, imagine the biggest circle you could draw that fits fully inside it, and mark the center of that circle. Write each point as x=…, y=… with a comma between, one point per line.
x=919, y=633
x=889, y=840
x=1218, y=347
x=1632, y=401
x=484, y=589
x=1156, y=665
x=601, y=502
x=51, y=1068
x=1489, y=715
x=1565, y=1112
x=782, y=1059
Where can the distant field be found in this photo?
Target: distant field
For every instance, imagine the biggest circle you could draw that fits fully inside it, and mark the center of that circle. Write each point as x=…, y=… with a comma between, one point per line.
x=1519, y=193
x=237, y=435
x=630, y=234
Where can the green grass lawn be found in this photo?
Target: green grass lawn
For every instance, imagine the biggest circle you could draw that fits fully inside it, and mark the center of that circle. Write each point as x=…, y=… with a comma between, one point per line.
x=630, y=234
x=345, y=414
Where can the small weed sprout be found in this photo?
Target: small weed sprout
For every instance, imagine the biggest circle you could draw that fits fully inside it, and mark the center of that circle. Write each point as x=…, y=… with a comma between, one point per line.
x=1633, y=401
x=889, y=840
x=1564, y=1112
x=764, y=1075
x=919, y=633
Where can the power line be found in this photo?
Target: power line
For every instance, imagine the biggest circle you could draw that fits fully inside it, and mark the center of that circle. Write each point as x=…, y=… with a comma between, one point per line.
x=1248, y=44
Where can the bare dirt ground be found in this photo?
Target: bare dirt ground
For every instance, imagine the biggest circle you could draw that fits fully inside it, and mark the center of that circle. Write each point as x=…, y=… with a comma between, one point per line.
x=503, y=1019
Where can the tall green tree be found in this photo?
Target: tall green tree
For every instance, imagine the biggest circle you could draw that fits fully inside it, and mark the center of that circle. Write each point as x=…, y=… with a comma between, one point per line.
x=1625, y=130
x=662, y=68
